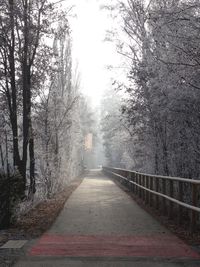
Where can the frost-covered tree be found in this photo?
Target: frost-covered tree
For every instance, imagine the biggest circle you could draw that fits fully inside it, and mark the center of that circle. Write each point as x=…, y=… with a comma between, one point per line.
x=117, y=139
x=39, y=101
x=60, y=134
x=162, y=96
x=24, y=24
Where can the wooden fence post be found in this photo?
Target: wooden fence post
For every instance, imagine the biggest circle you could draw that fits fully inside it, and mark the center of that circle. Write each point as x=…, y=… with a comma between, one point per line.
x=171, y=194
x=157, y=197
x=163, y=199
x=150, y=195
x=133, y=179
x=143, y=184
x=180, y=197
x=147, y=186
x=136, y=180
x=193, y=219
x=140, y=190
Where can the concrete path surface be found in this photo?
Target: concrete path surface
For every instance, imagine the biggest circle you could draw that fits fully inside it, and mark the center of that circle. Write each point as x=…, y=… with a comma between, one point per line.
x=101, y=225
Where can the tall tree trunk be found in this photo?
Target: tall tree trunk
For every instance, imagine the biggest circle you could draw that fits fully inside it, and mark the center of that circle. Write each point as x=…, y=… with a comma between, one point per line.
x=2, y=159
x=13, y=111
x=7, y=160
x=28, y=138
x=32, y=188
x=25, y=73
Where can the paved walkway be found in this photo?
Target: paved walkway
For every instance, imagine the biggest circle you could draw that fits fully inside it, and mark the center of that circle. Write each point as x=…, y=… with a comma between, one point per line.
x=101, y=225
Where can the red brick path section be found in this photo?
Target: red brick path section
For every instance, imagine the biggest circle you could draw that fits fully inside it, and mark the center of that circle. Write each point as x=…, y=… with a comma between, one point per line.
x=164, y=246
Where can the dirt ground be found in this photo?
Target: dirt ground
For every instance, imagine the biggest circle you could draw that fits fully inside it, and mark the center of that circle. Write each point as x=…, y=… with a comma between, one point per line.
x=39, y=219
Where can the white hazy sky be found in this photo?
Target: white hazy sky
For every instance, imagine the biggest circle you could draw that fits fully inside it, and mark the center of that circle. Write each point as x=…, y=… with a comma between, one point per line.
x=90, y=51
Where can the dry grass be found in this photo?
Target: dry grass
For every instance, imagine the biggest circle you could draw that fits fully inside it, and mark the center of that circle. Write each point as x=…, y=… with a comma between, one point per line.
x=40, y=218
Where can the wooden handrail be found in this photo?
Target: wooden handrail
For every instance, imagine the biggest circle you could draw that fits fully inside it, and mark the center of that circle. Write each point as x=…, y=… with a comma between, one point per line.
x=191, y=181
x=143, y=184
x=183, y=204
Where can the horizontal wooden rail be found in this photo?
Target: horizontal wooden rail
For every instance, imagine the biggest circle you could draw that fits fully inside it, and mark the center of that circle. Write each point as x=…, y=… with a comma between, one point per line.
x=147, y=186
x=191, y=181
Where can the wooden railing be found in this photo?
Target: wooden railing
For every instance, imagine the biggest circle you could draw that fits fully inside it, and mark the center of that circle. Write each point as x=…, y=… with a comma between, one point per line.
x=176, y=197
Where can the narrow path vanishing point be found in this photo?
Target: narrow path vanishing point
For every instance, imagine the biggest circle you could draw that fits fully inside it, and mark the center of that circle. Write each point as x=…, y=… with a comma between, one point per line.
x=101, y=225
